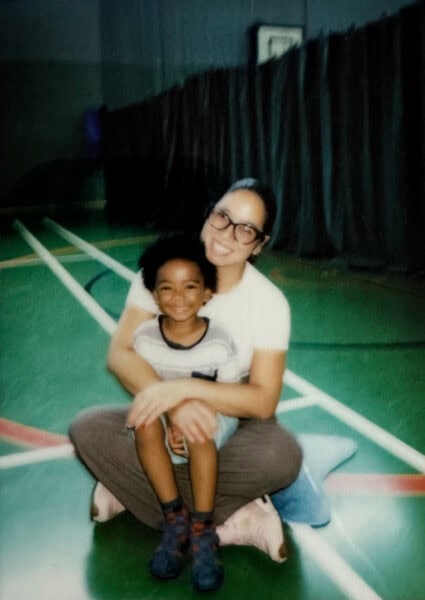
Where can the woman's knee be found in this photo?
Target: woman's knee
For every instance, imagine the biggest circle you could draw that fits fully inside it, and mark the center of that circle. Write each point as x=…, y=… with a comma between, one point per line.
x=82, y=424
x=94, y=422
x=285, y=455
x=274, y=454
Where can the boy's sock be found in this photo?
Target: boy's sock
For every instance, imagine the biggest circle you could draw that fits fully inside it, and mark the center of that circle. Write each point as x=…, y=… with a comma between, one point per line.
x=173, y=506
x=207, y=570
x=204, y=517
x=167, y=560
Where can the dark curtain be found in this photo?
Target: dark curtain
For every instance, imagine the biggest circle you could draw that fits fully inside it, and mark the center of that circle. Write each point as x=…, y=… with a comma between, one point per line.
x=336, y=127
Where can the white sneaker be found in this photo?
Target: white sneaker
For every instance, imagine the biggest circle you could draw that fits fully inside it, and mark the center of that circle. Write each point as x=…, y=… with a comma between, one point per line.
x=256, y=524
x=104, y=506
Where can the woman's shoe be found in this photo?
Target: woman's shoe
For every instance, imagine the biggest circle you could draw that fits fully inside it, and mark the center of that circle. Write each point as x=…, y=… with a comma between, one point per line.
x=104, y=506
x=256, y=524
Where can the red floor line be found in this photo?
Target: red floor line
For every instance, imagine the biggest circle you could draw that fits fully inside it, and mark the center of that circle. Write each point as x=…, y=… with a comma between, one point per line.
x=340, y=483
x=17, y=433
x=377, y=483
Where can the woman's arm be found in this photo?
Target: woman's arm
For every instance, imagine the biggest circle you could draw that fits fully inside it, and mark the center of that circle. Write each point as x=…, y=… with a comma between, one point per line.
x=256, y=399
x=131, y=370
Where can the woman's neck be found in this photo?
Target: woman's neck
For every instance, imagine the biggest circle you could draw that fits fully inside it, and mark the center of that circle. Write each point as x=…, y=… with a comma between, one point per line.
x=229, y=277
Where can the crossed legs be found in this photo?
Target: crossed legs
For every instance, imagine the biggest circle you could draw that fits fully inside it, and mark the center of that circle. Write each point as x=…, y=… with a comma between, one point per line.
x=260, y=458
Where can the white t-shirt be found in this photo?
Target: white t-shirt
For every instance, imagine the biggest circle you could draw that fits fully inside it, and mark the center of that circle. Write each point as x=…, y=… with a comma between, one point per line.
x=255, y=313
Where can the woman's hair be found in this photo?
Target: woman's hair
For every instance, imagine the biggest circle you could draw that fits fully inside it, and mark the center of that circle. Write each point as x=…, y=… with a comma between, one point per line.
x=265, y=193
x=172, y=246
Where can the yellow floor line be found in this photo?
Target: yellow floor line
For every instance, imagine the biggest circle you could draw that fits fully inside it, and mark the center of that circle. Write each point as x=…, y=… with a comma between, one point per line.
x=30, y=259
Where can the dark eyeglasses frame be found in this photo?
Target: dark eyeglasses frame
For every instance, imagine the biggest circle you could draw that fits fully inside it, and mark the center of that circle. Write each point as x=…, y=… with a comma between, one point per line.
x=259, y=235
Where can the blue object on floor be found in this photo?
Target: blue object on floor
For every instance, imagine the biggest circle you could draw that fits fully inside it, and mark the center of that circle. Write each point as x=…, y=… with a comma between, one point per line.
x=305, y=501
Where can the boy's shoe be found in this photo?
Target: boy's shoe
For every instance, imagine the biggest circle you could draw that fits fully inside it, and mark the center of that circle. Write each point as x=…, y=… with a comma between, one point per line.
x=167, y=560
x=256, y=524
x=104, y=506
x=207, y=570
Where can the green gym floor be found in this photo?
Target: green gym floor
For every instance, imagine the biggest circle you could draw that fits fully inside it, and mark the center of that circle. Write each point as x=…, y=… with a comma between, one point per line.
x=355, y=368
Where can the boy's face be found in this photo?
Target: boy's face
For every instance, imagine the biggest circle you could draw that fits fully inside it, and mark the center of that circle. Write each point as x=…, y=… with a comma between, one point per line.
x=180, y=291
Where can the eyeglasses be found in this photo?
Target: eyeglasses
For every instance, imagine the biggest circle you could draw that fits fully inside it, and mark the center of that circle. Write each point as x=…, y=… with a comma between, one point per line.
x=242, y=232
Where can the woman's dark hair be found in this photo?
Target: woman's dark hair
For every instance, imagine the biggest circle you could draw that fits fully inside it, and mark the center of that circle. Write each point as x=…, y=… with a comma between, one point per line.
x=264, y=192
x=172, y=246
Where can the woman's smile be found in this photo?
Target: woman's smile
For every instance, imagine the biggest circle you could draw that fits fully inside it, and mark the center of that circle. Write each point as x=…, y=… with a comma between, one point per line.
x=219, y=248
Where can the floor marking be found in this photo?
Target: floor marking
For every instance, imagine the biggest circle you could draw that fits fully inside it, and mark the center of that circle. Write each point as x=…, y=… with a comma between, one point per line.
x=296, y=404
x=30, y=457
x=32, y=259
x=356, y=421
x=337, y=483
x=18, y=433
x=67, y=253
x=87, y=301
x=375, y=483
x=35, y=262
x=338, y=571
x=91, y=250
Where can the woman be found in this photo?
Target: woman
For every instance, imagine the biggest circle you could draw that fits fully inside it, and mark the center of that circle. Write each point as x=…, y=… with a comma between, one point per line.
x=261, y=457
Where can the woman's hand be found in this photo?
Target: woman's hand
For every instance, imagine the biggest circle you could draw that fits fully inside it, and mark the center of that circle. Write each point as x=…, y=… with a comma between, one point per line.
x=154, y=400
x=195, y=420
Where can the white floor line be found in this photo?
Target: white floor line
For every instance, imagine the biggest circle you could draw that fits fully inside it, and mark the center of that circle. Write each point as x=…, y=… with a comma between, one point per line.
x=338, y=571
x=18, y=459
x=356, y=421
x=68, y=281
x=91, y=250
x=296, y=404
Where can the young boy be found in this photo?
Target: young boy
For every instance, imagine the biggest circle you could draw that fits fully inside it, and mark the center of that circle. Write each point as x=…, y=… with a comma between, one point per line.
x=180, y=343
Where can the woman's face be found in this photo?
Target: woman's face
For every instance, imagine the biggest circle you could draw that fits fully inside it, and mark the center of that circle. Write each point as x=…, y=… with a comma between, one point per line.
x=221, y=248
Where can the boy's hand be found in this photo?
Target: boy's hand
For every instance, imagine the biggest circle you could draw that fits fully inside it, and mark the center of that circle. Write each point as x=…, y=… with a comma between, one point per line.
x=176, y=441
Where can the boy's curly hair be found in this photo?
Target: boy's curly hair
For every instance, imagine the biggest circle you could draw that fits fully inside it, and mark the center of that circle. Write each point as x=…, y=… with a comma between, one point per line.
x=172, y=246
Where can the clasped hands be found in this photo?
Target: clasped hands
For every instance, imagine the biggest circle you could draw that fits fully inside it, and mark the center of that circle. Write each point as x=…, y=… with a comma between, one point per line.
x=193, y=417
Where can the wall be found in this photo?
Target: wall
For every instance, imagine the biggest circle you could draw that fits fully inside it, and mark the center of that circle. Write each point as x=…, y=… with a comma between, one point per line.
x=150, y=45
x=50, y=73
x=59, y=57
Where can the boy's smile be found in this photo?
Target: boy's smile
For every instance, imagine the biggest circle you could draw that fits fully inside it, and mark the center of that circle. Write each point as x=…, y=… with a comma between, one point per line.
x=180, y=290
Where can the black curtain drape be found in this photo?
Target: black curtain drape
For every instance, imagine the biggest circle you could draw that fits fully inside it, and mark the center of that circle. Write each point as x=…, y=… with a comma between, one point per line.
x=336, y=127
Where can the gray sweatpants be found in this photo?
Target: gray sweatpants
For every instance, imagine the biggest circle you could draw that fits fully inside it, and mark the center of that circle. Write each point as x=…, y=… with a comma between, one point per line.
x=260, y=458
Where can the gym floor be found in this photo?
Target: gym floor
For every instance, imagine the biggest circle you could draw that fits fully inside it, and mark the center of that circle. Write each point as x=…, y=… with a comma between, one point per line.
x=355, y=368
